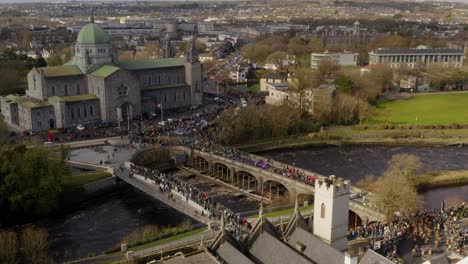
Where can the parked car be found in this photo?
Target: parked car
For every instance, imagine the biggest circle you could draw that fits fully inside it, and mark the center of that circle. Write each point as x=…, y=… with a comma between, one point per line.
x=49, y=143
x=71, y=136
x=80, y=127
x=32, y=133
x=25, y=133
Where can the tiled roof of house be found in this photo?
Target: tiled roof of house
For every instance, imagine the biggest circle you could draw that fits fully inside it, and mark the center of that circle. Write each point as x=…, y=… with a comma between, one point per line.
x=152, y=64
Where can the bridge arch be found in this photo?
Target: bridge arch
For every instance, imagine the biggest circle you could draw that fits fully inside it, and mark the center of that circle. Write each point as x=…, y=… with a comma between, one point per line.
x=303, y=197
x=201, y=164
x=274, y=190
x=222, y=172
x=354, y=220
x=245, y=181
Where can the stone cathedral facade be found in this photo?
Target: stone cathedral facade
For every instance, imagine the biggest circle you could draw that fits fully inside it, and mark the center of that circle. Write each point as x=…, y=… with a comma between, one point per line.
x=93, y=86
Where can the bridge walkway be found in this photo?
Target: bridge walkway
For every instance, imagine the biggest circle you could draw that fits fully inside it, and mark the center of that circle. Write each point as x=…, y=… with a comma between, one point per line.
x=148, y=187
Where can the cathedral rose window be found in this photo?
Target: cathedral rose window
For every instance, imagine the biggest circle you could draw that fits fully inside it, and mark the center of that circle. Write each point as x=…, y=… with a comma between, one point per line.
x=122, y=90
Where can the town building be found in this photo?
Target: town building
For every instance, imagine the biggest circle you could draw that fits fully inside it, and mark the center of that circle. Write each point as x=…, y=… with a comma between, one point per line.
x=344, y=59
x=421, y=55
x=93, y=85
x=272, y=78
x=341, y=37
x=311, y=100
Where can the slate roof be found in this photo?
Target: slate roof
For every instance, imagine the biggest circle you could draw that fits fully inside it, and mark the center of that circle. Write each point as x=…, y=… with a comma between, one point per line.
x=230, y=254
x=198, y=258
x=269, y=249
x=439, y=259
x=105, y=71
x=315, y=249
x=58, y=71
x=152, y=64
x=416, y=51
x=372, y=257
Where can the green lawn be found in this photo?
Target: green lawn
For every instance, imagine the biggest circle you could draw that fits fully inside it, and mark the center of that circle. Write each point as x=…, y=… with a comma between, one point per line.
x=289, y=211
x=82, y=179
x=432, y=109
x=169, y=239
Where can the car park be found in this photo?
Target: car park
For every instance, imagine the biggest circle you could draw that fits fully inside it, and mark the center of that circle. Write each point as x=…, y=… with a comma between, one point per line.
x=80, y=127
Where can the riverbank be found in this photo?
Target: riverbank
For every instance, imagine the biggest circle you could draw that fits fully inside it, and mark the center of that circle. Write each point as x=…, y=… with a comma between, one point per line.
x=363, y=135
x=427, y=181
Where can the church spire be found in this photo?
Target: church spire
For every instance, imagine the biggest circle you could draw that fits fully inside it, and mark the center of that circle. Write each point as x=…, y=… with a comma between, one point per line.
x=92, y=15
x=192, y=55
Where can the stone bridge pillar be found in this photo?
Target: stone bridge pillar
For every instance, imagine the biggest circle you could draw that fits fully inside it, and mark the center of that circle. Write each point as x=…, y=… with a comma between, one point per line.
x=259, y=185
x=210, y=168
x=232, y=171
x=292, y=194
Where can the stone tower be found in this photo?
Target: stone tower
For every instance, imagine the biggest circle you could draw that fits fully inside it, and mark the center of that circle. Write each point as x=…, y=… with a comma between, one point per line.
x=331, y=209
x=356, y=28
x=193, y=74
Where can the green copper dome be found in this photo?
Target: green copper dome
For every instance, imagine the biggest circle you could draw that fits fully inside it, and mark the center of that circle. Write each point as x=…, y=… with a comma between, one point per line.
x=92, y=34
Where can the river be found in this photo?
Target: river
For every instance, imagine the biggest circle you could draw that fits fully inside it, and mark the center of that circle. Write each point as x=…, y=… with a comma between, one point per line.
x=355, y=162
x=103, y=222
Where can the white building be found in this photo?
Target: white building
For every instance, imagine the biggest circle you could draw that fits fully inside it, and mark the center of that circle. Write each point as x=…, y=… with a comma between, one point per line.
x=421, y=55
x=279, y=93
x=205, y=27
x=344, y=59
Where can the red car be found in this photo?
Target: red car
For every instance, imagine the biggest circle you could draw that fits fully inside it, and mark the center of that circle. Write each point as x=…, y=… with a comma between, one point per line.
x=50, y=137
x=71, y=136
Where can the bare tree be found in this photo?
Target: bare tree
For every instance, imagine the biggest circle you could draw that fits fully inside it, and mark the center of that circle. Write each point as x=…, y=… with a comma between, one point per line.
x=34, y=244
x=395, y=192
x=8, y=247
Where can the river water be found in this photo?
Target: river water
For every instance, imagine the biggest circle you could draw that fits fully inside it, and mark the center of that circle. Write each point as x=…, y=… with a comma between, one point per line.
x=356, y=162
x=103, y=222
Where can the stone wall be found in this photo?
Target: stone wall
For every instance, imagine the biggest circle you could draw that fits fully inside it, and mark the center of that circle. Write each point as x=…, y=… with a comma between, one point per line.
x=65, y=86
x=82, y=112
x=112, y=99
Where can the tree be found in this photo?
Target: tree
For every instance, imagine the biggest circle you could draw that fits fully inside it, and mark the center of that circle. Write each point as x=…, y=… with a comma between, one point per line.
x=325, y=70
x=344, y=84
x=34, y=244
x=29, y=183
x=301, y=81
x=395, y=192
x=8, y=247
x=54, y=60
x=200, y=46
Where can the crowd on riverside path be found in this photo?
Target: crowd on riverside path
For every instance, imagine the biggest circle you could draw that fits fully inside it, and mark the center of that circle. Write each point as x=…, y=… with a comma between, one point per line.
x=167, y=183
x=431, y=231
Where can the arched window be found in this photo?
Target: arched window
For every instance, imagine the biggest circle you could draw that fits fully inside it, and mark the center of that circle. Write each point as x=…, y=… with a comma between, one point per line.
x=91, y=110
x=322, y=210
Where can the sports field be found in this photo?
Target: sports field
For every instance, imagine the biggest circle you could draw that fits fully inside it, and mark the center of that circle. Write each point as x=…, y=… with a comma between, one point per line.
x=423, y=109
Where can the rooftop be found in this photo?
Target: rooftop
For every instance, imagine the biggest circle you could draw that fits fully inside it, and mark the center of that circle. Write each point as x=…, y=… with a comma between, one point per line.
x=157, y=87
x=92, y=34
x=58, y=71
x=105, y=71
x=26, y=101
x=75, y=98
x=416, y=51
x=151, y=64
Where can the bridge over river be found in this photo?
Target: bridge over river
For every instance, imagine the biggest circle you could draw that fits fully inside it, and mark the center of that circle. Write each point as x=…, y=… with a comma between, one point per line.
x=266, y=182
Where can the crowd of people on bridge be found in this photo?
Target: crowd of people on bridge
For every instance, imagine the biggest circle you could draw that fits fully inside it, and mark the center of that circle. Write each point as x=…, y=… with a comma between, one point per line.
x=212, y=208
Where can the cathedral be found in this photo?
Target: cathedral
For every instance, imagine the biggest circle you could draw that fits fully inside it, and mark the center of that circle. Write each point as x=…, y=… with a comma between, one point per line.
x=94, y=86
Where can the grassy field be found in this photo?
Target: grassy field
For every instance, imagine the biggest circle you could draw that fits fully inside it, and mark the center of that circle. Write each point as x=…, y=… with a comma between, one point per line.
x=82, y=179
x=424, y=109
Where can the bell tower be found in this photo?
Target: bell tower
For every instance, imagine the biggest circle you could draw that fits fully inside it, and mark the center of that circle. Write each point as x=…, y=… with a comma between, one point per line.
x=331, y=210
